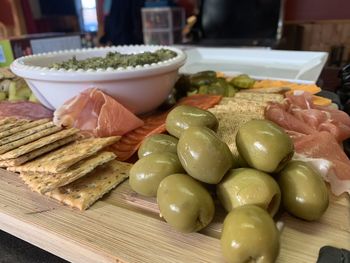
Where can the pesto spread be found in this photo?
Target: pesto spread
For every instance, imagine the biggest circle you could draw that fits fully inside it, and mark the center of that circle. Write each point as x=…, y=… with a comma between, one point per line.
x=116, y=60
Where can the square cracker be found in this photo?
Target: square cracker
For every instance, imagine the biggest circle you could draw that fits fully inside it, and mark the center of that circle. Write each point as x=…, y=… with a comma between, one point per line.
x=12, y=124
x=87, y=190
x=60, y=160
x=43, y=183
x=229, y=125
x=32, y=142
x=34, y=127
x=33, y=154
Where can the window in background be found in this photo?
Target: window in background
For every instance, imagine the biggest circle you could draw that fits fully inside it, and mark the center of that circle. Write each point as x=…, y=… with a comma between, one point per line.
x=89, y=15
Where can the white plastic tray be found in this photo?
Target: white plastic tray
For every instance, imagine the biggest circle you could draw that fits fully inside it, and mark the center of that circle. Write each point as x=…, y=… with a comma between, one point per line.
x=260, y=63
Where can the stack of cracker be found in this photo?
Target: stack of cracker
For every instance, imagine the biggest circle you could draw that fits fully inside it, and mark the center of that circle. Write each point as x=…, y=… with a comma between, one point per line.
x=233, y=112
x=58, y=162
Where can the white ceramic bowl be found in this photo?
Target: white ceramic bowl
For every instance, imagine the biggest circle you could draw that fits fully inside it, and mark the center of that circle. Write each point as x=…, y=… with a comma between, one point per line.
x=140, y=89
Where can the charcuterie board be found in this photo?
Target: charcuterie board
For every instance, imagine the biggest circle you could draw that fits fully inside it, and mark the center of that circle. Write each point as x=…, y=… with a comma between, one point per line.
x=124, y=227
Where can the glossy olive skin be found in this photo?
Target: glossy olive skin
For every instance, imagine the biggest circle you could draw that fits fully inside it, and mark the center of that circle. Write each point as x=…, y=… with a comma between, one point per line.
x=249, y=186
x=264, y=145
x=147, y=173
x=184, y=203
x=203, y=155
x=304, y=193
x=157, y=143
x=249, y=233
x=182, y=117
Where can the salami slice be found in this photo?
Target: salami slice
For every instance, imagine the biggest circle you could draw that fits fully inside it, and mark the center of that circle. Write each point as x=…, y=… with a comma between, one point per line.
x=24, y=110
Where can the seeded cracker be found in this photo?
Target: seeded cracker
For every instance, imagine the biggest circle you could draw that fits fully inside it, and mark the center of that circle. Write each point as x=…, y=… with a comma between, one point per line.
x=228, y=128
x=33, y=154
x=43, y=183
x=42, y=141
x=22, y=128
x=7, y=120
x=60, y=160
x=25, y=133
x=12, y=124
x=253, y=96
x=87, y=190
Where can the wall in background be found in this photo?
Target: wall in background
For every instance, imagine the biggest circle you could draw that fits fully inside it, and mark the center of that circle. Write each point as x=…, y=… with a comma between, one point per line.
x=310, y=10
x=6, y=16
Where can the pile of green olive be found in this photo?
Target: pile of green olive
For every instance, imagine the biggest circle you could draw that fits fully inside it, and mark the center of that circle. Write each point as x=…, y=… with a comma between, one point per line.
x=208, y=82
x=178, y=167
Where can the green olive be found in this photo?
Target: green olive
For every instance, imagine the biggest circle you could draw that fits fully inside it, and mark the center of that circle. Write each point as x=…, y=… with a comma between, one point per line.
x=184, y=203
x=304, y=193
x=249, y=234
x=202, y=78
x=203, y=155
x=157, y=143
x=243, y=81
x=264, y=145
x=147, y=173
x=249, y=186
x=183, y=117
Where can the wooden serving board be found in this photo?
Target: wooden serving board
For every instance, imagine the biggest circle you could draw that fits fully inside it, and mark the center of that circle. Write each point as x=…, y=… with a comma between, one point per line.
x=124, y=227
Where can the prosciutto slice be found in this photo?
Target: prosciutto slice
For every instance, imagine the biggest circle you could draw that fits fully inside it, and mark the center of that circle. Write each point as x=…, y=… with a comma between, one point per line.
x=24, y=110
x=317, y=132
x=96, y=113
x=299, y=114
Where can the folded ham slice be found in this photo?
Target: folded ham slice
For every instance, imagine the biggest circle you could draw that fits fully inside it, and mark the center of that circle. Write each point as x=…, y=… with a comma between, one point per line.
x=95, y=112
x=317, y=132
x=24, y=110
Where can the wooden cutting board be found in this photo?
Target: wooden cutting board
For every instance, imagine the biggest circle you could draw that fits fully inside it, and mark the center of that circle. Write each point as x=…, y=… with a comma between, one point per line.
x=124, y=227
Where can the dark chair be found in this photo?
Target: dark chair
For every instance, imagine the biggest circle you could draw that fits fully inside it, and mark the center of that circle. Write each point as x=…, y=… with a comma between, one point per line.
x=239, y=23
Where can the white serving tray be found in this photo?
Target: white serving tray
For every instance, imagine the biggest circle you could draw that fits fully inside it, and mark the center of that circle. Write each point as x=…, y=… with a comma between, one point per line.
x=260, y=63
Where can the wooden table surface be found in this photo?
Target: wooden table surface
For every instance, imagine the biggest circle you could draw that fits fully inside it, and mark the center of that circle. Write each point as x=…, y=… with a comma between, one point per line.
x=124, y=227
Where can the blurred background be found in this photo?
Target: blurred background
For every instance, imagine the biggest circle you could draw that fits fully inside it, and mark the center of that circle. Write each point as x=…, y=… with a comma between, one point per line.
x=34, y=26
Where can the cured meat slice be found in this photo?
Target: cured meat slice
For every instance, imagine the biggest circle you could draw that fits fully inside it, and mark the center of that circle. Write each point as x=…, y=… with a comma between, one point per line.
x=153, y=124
x=303, y=100
x=97, y=113
x=298, y=114
x=317, y=132
x=277, y=113
x=324, y=146
x=24, y=110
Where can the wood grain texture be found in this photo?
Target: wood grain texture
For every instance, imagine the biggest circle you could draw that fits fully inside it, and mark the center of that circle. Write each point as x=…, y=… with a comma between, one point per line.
x=124, y=227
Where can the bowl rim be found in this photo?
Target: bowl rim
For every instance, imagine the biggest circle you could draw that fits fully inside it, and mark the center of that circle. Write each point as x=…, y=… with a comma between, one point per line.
x=22, y=67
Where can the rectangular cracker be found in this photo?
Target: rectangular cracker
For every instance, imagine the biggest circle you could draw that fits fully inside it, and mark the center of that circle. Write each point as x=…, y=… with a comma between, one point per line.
x=60, y=160
x=43, y=183
x=239, y=108
x=13, y=145
x=269, y=90
x=53, y=134
x=254, y=96
x=7, y=120
x=12, y=124
x=22, y=128
x=33, y=154
x=85, y=191
x=27, y=132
